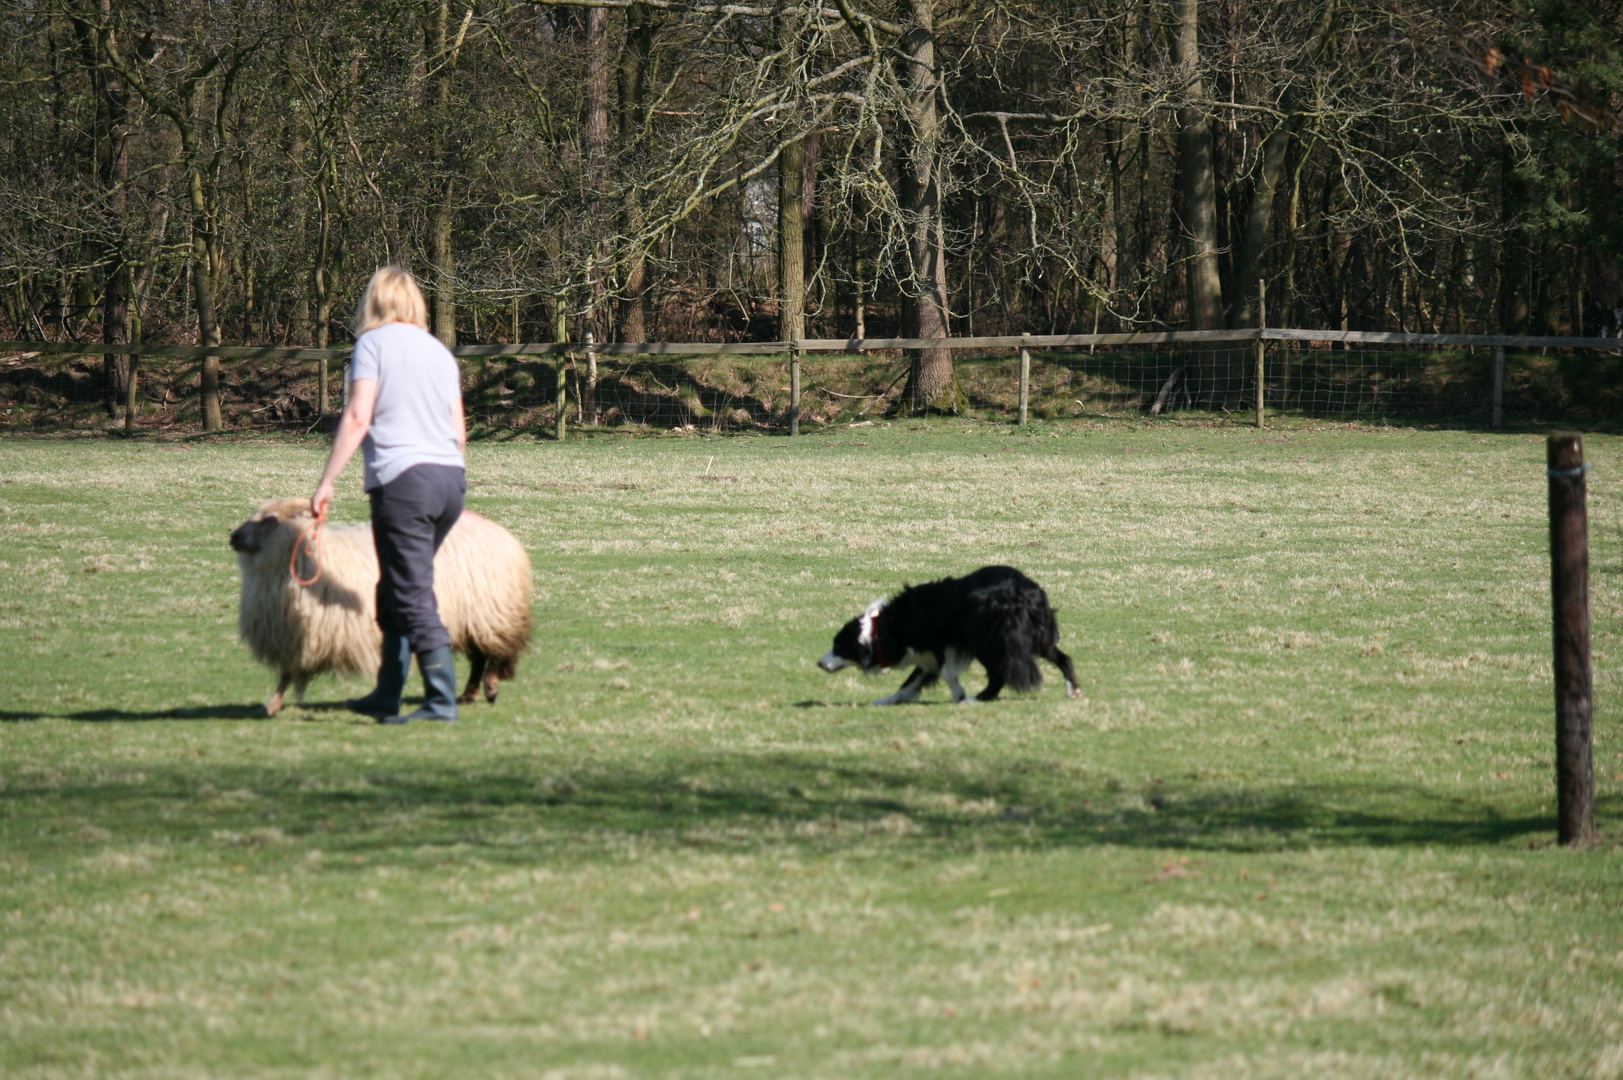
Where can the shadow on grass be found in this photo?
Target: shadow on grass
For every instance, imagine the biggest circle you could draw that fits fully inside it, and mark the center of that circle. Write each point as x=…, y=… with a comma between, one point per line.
x=526, y=814
x=114, y=716
x=183, y=712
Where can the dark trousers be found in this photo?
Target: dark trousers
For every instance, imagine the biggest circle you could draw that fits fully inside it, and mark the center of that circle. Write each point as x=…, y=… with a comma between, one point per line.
x=410, y=517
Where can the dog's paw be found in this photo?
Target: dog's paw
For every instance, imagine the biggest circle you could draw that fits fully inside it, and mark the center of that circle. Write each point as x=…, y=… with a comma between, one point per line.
x=1073, y=692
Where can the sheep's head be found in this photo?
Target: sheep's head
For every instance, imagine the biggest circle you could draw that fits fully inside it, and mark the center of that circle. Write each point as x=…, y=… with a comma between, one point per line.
x=273, y=525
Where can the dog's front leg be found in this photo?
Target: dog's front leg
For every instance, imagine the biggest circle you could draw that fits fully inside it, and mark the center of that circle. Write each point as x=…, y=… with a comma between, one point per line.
x=909, y=690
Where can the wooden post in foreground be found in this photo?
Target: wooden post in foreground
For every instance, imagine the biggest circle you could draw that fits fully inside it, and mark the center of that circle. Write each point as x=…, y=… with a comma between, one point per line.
x=1025, y=381
x=1498, y=385
x=561, y=334
x=794, y=392
x=1574, y=678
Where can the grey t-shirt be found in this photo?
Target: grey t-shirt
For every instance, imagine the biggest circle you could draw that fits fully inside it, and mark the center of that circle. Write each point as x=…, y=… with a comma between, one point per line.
x=417, y=381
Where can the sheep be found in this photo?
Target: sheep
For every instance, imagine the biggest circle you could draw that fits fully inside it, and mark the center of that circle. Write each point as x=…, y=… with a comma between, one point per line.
x=481, y=580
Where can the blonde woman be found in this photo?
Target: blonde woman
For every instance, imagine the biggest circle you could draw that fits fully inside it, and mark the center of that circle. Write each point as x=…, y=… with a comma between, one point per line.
x=403, y=410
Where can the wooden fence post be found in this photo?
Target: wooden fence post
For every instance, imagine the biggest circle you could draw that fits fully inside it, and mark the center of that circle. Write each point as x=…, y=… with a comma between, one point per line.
x=1498, y=385
x=561, y=334
x=1262, y=375
x=1574, y=678
x=794, y=391
x=1262, y=347
x=1025, y=380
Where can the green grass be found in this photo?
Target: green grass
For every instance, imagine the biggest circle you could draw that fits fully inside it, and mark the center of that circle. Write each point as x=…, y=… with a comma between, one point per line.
x=1301, y=823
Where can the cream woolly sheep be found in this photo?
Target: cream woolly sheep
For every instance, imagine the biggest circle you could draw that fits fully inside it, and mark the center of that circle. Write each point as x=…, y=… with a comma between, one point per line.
x=481, y=581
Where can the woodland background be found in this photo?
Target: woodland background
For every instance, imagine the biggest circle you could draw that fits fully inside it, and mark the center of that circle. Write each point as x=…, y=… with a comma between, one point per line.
x=194, y=172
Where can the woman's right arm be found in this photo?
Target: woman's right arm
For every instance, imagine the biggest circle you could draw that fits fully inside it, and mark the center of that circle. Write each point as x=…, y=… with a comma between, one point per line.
x=352, y=429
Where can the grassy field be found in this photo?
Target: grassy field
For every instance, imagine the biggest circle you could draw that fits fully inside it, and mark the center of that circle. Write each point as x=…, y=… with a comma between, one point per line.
x=1301, y=824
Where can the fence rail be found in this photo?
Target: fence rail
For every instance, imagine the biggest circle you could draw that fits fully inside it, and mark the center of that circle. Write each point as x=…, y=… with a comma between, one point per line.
x=852, y=345
x=759, y=384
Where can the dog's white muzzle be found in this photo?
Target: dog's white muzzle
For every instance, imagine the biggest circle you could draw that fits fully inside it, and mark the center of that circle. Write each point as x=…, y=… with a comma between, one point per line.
x=832, y=663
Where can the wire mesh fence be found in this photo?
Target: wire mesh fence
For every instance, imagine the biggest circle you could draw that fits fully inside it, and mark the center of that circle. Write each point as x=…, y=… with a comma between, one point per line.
x=750, y=387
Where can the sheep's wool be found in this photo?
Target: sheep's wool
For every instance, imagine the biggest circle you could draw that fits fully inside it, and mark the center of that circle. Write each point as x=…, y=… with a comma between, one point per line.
x=481, y=580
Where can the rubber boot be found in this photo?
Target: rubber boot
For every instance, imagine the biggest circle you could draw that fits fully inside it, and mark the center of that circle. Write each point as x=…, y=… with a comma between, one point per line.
x=385, y=700
x=439, y=688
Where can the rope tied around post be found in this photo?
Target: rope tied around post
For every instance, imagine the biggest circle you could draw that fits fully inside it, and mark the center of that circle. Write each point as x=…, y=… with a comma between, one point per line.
x=309, y=543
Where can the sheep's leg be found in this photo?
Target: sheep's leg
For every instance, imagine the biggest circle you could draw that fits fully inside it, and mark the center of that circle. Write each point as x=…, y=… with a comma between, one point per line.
x=476, y=665
x=298, y=688
x=490, y=687
x=274, y=704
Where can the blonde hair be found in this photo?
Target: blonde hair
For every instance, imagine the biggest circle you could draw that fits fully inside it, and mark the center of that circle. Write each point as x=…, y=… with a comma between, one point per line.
x=391, y=296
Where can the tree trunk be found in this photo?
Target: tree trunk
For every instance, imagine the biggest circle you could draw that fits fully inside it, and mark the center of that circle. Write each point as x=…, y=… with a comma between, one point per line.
x=811, y=224
x=1270, y=175
x=633, y=126
x=924, y=278
x=203, y=281
x=791, y=243
x=1287, y=307
x=1197, y=178
x=444, y=256
x=115, y=302
x=318, y=282
x=595, y=146
x=297, y=326
x=114, y=169
x=791, y=210
x=1550, y=298
x=1513, y=249
x=441, y=229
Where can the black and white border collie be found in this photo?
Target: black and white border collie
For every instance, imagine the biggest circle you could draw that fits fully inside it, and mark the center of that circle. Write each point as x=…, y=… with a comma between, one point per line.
x=996, y=615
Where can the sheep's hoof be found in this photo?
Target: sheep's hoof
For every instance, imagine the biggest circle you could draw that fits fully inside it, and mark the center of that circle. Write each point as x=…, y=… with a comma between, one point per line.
x=274, y=705
x=491, y=686
x=467, y=697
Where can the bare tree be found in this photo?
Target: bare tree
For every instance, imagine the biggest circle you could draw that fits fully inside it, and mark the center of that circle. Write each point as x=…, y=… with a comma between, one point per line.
x=195, y=98
x=1197, y=178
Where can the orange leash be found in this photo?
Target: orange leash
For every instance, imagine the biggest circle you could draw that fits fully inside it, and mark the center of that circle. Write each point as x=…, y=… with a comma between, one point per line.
x=308, y=542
